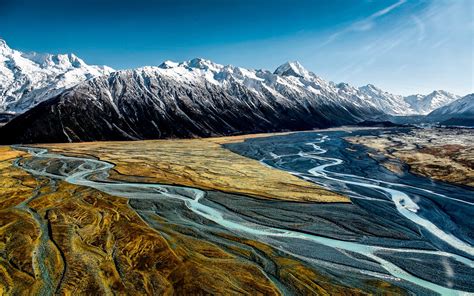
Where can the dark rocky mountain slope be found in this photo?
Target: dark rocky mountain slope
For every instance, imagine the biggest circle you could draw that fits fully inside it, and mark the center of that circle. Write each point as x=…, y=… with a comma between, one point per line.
x=193, y=99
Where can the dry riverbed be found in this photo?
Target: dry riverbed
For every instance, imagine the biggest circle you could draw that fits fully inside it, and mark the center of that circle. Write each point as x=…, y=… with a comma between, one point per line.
x=56, y=237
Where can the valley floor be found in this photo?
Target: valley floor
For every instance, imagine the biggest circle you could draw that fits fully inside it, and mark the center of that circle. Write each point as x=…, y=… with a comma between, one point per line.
x=57, y=237
x=199, y=163
x=198, y=217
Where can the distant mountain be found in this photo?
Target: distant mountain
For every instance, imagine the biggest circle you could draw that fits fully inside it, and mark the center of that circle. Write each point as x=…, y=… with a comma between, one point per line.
x=197, y=98
x=424, y=104
x=461, y=107
x=410, y=105
x=387, y=102
x=460, y=112
x=27, y=79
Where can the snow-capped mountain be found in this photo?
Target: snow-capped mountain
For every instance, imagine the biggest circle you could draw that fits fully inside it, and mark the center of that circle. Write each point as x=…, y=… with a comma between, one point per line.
x=27, y=79
x=288, y=82
x=424, y=104
x=197, y=98
x=200, y=98
x=387, y=102
x=463, y=107
x=293, y=69
x=409, y=105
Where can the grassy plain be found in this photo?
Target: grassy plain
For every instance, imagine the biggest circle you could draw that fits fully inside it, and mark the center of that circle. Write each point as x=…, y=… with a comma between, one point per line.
x=200, y=163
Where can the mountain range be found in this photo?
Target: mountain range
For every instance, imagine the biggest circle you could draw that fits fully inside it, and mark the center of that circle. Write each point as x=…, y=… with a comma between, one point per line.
x=59, y=98
x=409, y=105
x=191, y=99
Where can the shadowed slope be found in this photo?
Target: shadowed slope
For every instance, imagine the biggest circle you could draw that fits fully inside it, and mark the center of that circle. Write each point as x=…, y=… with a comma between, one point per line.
x=148, y=103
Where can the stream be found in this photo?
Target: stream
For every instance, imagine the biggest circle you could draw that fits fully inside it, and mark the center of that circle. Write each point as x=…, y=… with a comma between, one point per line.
x=407, y=230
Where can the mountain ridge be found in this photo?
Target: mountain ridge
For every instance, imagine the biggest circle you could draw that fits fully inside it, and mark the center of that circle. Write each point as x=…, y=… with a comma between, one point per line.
x=458, y=110
x=27, y=79
x=408, y=105
x=190, y=99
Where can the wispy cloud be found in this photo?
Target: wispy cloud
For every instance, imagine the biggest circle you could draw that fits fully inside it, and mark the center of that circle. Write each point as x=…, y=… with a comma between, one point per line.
x=365, y=24
x=399, y=43
x=372, y=52
x=386, y=10
x=421, y=28
x=369, y=22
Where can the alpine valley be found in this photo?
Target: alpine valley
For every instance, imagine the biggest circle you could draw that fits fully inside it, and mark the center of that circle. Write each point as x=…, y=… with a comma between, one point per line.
x=196, y=178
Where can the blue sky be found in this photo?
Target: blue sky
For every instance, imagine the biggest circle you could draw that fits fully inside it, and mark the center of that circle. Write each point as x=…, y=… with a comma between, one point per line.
x=402, y=46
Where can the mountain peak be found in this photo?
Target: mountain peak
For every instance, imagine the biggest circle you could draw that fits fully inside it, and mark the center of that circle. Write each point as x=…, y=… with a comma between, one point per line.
x=168, y=64
x=442, y=95
x=203, y=64
x=461, y=108
x=440, y=92
x=75, y=60
x=371, y=86
x=292, y=69
x=4, y=46
x=49, y=60
x=43, y=75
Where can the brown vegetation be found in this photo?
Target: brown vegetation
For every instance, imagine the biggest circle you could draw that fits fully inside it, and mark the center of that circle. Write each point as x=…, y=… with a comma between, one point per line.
x=200, y=163
x=446, y=155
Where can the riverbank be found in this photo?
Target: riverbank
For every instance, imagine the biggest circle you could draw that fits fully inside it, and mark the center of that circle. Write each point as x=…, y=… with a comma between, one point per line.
x=199, y=163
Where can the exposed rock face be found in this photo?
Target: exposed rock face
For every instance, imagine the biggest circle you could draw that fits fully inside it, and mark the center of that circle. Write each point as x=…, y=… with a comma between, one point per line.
x=192, y=99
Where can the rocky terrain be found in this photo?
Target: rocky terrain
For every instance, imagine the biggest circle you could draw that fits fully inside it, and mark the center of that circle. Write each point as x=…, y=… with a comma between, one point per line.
x=441, y=154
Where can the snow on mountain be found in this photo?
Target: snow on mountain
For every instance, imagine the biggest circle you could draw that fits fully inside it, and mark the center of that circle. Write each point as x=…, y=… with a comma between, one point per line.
x=292, y=69
x=463, y=107
x=196, y=98
x=27, y=79
x=288, y=81
x=409, y=105
x=424, y=104
x=387, y=102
